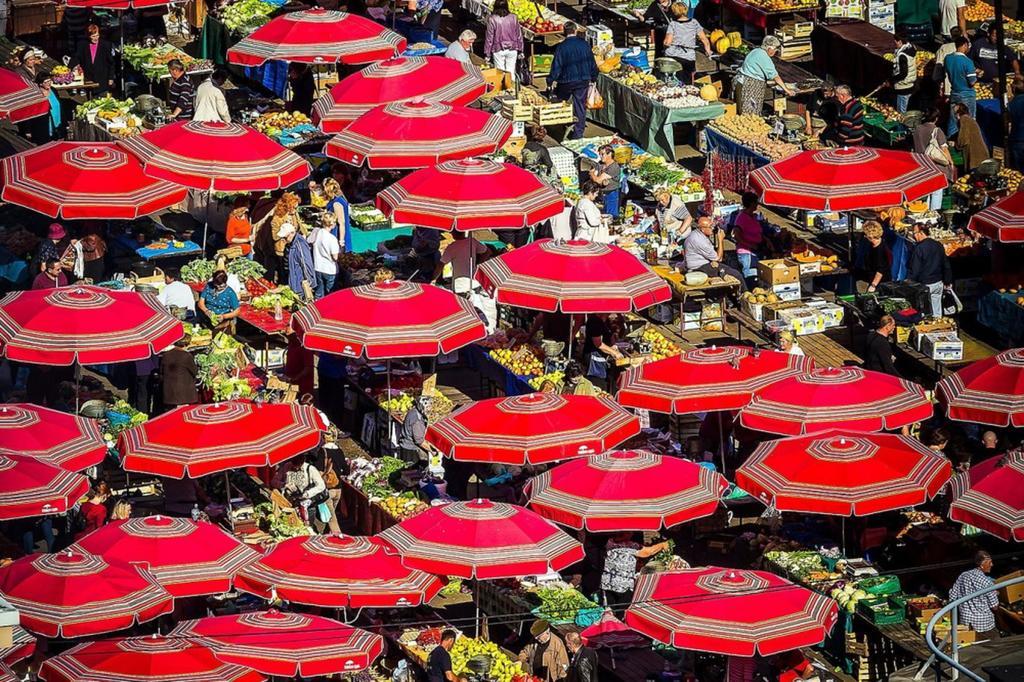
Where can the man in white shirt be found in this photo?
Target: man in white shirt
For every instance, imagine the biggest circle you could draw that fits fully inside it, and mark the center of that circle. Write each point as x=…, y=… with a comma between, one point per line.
x=462, y=253
x=326, y=249
x=176, y=293
x=951, y=13
x=211, y=104
x=462, y=48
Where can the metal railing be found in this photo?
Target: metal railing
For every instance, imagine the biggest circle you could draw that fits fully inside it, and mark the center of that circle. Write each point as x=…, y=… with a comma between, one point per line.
x=953, y=660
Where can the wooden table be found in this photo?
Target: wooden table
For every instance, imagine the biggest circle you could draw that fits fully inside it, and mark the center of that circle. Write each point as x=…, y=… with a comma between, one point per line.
x=719, y=287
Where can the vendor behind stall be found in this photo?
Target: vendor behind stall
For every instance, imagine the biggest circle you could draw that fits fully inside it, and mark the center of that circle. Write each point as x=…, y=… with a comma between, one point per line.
x=218, y=301
x=621, y=554
x=756, y=72
x=586, y=216
x=674, y=219
x=877, y=266
x=658, y=17
x=545, y=657
x=178, y=372
x=848, y=130
x=985, y=55
x=608, y=176
x=704, y=250
x=681, y=41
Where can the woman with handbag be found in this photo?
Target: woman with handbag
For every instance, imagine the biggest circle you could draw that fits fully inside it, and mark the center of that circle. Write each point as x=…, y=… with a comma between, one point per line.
x=930, y=140
x=305, y=485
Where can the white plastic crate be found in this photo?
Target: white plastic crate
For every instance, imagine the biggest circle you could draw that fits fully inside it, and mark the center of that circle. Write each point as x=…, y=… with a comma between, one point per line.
x=564, y=162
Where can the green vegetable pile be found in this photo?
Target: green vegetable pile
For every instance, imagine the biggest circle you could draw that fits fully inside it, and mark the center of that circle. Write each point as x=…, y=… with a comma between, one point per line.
x=278, y=526
x=202, y=269
x=562, y=603
x=282, y=295
x=218, y=369
x=245, y=16
x=105, y=103
x=654, y=171
x=376, y=483
x=246, y=269
x=799, y=563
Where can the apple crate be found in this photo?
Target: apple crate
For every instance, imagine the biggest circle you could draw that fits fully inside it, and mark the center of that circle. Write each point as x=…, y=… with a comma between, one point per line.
x=553, y=114
x=516, y=110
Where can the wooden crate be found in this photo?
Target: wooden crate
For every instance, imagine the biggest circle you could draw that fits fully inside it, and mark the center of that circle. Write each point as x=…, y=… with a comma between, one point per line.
x=553, y=114
x=516, y=110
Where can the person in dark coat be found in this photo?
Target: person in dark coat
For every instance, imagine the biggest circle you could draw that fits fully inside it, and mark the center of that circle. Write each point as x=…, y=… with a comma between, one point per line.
x=300, y=78
x=877, y=349
x=96, y=57
x=178, y=369
x=582, y=660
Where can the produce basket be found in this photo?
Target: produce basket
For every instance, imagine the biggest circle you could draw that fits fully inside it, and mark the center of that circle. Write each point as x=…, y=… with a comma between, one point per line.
x=881, y=611
x=155, y=278
x=880, y=586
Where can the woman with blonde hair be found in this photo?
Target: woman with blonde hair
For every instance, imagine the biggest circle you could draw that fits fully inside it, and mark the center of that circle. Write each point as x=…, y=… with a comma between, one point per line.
x=877, y=266
x=788, y=344
x=339, y=206
x=681, y=41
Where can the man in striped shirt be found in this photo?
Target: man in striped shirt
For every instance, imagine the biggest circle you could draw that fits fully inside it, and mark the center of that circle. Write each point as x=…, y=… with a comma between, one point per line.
x=979, y=612
x=180, y=93
x=850, y=125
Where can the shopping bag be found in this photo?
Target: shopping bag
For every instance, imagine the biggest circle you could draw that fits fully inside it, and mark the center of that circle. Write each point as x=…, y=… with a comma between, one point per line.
x=951, y=304
x=594, y=98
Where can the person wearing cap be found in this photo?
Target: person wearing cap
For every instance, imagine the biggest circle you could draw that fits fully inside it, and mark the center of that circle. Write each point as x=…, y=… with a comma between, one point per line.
x=218, y=301
x=96, y=57
x=29, y=60
x=978, y=612
x=756, y=72
x=545, y=657
x=298, y=255
x=53, y=247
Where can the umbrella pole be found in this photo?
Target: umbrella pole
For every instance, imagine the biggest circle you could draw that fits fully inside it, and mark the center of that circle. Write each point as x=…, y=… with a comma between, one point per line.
x=387, y=396
x=227, y=494
x=206, y=222
x=721, y=440
x=843, y=526
x=78, y=383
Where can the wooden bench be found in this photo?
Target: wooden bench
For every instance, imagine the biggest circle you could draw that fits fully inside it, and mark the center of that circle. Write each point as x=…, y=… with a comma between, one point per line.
x=826, y=351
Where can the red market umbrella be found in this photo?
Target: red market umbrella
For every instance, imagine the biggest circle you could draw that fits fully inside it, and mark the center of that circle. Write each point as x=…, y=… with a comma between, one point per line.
x=532, y=429
x=626, y=490
x=317, y=36
x=84, y=324
x=20, y=100
x=843, y=473
x=29, y=487
x=215, y=156
x=574, y=277
x=85, y=180
x=848, y=398
x=285, y=644
x=847, y=179
x=706, y=379
x=188, y=558
x=389, y=320
x=728, y=611
x=137, y=659
x=437, y=79
x=338, y=571
x=118, y=4
x=482, y=539
x=23, y=645
x=611, y=633
x=50, y=436
x=197, y=440
x=994, y=502
x=1002, y=221
x=989, y=391
x=71, y=594
x=418, y=134
x=470, y=194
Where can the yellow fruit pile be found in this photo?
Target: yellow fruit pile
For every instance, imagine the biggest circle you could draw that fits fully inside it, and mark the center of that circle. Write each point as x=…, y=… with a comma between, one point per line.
x=660, y=346
x=537, y=383
x=503, y=669
x=403, y=507
x=979, y=11
x=759, y=295
x=522, y=361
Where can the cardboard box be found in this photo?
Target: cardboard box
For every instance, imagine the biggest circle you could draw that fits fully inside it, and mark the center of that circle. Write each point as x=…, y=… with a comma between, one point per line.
x=942, y=346
x=773, y=311
x=787, y=292
x=812, y=268
x=918, y=331
x=690, y=321
x=755, y=310
x=832, y=315
x=774, y=271
x=808, y=323
x=707, y=80
x=917, y=607
x=902, y=334
x=1013, y=593
x=599, y=34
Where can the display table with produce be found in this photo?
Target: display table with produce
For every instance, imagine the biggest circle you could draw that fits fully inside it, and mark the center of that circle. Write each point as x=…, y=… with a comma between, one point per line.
x=761, y=13
x=645, y=170
x=648, y=121
x=372, y=504
x=493, y=366
x=151, y=61
x=105, y=119
x=737, y=144
x=853, y=53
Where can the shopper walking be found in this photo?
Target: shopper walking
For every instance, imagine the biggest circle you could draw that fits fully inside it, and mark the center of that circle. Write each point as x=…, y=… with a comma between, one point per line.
x=573, y=69
x=503, y=42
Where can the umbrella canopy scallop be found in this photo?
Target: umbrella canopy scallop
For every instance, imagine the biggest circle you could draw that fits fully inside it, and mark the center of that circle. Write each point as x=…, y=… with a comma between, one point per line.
x=51, y=436
x=482, y=539
x=847, y=179
x=137, y=659
x=728, y=611
x=626, y=490
x=317, y=36
x=1002, y=221
x=994, y=502
x=389, y=320
x=338, y=571
x=418, y=134
x=216, y=156
x=706, y=379
x=85, y=180
x=72, y=594
x=532, y=429
x=836, y=398
x=574, y=277
x=436, y=79
x=20, y=100
x=84, y=324
x=188, y=558
x=29, y=487
x=285, y=644
x=989, y=391
x=844, y=473
x=197, y=440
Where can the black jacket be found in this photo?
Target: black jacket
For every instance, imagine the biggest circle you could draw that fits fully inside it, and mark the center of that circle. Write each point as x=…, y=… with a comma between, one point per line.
x=583, y=666
x=929, y=263
x=878, y=354
x=100, y=70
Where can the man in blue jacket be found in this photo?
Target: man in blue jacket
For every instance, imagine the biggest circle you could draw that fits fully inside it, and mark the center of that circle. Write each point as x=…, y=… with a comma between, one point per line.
x=929, y=266
x=573, y=69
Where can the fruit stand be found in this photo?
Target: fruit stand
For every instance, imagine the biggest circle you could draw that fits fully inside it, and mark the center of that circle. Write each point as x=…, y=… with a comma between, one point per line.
x=641, y=117
x=151, y=61
x=540, y=24
x=737, y=144
x=761, y=13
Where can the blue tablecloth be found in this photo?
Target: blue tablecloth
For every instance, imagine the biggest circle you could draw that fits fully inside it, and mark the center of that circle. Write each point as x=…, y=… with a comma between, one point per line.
x=439, y=48
x=510, y=384
x=1000, y=313
x=367, y=240
x=188, y=248
x=13, y=269
x=728, y=147
x=272, y=75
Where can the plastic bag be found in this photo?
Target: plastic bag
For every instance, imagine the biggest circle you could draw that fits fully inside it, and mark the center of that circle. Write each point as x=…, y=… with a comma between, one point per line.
x=594, y=98
x=951, y=304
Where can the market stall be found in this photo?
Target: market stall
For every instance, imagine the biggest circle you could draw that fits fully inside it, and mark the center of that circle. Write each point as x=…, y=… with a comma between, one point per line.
x=853, y=53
